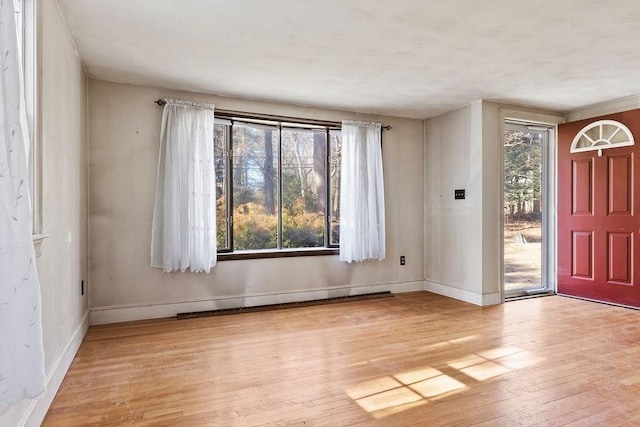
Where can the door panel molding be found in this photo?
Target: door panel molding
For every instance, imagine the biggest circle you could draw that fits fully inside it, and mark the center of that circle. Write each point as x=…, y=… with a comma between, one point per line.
x=613, y=179
x=620, y=184
x=620, y=258
x=582, y=255
x=582, y=183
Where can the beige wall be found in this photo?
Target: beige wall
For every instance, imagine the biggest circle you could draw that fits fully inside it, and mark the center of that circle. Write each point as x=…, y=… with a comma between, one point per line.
x=610, y=107
x=63, y=263
x=124, y=138
x=453, y=228
x=463, y=149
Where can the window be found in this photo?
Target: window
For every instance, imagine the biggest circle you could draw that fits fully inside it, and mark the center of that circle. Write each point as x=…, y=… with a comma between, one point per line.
x=26, y=29
x=277, y=184
x=600, y=135
x=27, y=45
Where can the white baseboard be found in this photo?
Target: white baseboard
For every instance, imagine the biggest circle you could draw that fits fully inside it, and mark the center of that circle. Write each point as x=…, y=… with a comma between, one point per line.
x=115, y=314
x=492, y=299
x=463, y=295
x=37, y=409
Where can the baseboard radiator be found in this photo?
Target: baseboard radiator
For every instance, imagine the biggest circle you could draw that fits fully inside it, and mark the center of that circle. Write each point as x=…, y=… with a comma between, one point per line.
x=239, y=310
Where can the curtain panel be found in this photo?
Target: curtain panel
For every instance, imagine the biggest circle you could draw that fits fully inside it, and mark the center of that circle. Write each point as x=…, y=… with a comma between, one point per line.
x=184, y=218
x=21, y=348
x=362, y=215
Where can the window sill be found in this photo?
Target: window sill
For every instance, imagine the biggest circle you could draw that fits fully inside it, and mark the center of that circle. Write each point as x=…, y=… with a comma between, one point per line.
x=37, y=242
x=276, y=253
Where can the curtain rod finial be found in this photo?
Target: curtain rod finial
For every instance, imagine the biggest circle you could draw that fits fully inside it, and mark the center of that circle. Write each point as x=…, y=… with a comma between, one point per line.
x=160, y=102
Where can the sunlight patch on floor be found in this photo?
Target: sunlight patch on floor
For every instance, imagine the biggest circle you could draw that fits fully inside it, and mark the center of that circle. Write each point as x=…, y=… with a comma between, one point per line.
x=388, y=399
x=415, y=375
x=469, y=360
x=372, y=387
x=437, y=386
x=484, y=371
x=400, y=391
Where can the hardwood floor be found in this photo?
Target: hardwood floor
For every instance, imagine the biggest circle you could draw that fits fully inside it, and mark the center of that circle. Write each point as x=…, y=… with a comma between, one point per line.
x=415, y=359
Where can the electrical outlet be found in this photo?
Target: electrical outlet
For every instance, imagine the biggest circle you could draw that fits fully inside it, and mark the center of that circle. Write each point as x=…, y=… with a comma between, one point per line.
x=82, y=287
x=402, y=260
x=459, y=194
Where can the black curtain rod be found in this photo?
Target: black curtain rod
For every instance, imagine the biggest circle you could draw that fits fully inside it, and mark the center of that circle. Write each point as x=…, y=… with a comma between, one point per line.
x=242, y=115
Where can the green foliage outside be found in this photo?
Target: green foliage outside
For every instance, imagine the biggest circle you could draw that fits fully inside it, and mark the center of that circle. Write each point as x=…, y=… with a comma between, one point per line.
x=256, y=184
x=523, y=174
x=301, y=228
x=254, y=228
x=296, y=198
x=221, y=222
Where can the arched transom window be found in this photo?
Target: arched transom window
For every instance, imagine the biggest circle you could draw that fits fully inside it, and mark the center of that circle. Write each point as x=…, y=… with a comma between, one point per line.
x=601, y=135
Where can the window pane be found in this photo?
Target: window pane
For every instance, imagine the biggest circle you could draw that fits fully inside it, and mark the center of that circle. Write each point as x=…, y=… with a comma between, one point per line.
x=255, y=184
x=219, y=151
x=523, y=238
x=335, y=147
x=304, y=188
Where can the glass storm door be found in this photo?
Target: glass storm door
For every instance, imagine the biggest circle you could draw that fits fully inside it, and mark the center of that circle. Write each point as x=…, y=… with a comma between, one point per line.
x=525, y=254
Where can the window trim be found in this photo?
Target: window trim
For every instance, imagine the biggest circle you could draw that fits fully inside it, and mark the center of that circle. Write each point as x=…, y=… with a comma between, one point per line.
x=30, y=42
x=276, y=253
x=284, y=120
x=230, y=118
x=34, y=105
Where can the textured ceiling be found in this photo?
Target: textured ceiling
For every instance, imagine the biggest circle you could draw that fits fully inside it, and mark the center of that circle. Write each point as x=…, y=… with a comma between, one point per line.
x=410, y=58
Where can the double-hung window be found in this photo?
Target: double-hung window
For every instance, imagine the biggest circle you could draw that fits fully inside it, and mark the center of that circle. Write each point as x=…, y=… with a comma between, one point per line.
x=277, y=184
x=26, y=34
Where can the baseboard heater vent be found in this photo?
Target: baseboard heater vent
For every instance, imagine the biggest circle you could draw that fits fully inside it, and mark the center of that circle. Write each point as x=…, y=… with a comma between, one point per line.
x=239, y=310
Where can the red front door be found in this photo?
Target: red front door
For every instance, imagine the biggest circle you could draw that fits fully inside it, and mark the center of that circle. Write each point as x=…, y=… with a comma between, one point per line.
x=598, y=208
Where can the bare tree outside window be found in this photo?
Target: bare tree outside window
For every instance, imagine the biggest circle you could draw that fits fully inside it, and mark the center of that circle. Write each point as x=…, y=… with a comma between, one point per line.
x=334, y=181
x=303, y=188
x=255, y=222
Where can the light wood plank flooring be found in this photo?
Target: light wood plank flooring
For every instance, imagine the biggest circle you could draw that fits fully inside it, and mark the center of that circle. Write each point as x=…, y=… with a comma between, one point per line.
x=415, y=359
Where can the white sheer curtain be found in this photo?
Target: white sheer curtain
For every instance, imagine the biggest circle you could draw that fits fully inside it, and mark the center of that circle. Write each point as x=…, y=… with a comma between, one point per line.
x=184, y=218
x=362, y=228
x=21, y=352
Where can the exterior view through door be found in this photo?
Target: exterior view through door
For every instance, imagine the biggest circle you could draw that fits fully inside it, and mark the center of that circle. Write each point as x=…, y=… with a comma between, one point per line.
x=526, y=148
x=598, y=205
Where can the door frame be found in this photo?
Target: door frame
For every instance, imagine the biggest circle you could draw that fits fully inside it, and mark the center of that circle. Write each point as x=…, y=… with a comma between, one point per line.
x=549, y=220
